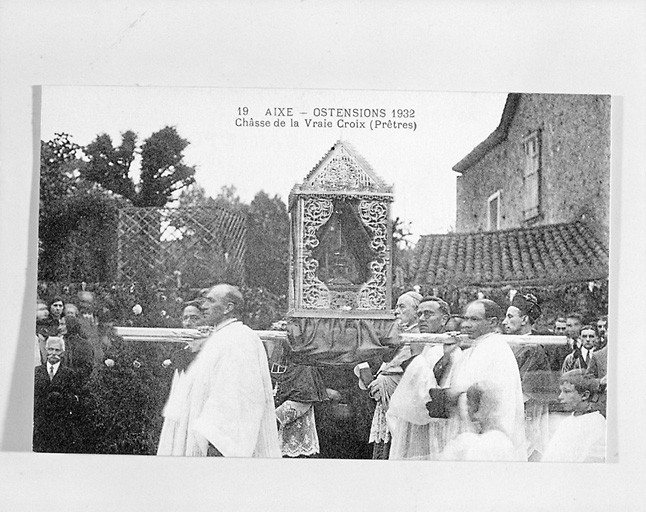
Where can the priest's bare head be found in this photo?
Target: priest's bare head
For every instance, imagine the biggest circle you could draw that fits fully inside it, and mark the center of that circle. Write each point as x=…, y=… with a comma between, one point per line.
x=432, y=314
x=406, y=308
x=481, y=317
x=222, y=302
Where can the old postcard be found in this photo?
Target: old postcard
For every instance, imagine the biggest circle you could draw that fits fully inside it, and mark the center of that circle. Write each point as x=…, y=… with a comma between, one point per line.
x=352, y=228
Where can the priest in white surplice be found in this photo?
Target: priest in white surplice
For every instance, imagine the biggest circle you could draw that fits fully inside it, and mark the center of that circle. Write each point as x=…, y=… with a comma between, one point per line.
x=223, y=404
x=489, y=360
x=415, y=435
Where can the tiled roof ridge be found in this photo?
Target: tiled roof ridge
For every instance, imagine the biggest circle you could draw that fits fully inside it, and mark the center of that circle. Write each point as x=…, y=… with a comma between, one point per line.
x=552, y=253
x=511, y=230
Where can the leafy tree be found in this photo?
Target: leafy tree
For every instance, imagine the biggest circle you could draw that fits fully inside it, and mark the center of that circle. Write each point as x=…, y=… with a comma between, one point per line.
x=77, y=238
x=229, y=199
x=402, y=254
x=59, y=164
x=163, y=170
x=195, y=195
x=267, y=261
x=267, y=256
x=80, y=197
x=110, y=166
x=401, y=234
x=76, y=221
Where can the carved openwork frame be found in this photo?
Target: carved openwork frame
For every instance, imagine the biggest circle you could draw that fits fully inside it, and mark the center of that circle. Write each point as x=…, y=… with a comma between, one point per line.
x=341, y=175
x=309, y=293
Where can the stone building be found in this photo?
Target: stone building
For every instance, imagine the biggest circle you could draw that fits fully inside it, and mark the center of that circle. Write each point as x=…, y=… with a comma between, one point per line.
x=532, y=210
x=547, y=162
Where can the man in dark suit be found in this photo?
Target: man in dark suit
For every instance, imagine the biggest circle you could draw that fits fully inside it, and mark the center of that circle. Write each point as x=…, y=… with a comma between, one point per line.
x=56, y=403
x=571, y=328
x=581, y=355
x=602, y=332
x=598, y=366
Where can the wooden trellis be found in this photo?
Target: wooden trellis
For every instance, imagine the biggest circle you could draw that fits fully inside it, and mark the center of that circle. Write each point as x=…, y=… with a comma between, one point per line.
x=196, y=245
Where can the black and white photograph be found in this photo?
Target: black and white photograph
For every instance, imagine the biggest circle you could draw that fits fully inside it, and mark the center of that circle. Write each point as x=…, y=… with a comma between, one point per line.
x=321, y=256
x=362, y=217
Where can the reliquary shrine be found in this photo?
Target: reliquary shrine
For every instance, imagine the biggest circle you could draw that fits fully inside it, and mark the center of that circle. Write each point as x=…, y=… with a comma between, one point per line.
x=340, y=258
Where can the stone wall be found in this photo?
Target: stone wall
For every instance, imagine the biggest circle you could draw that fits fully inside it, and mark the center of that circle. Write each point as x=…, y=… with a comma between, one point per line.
x=575, y=165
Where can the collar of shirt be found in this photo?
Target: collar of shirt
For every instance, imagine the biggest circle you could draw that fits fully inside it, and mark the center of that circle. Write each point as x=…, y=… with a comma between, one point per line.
x=224, y=323
x=479, y=340
x=53, y=367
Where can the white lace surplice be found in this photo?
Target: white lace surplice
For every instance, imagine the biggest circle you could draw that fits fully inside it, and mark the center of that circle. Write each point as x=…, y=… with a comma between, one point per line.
x=297, y=433
x=387, y=379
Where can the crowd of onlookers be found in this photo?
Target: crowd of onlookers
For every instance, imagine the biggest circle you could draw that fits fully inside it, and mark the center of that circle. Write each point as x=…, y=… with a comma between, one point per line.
x=71, y=345
x=74, y=342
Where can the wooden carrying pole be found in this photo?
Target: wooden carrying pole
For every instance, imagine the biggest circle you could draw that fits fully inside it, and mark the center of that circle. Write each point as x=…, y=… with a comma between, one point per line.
x=170, y=335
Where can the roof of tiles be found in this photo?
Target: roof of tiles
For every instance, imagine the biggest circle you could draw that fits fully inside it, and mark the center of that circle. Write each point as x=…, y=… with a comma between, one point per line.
x=539, y=255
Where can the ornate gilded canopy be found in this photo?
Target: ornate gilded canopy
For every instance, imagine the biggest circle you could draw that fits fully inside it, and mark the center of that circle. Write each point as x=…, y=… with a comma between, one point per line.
x=340, y=251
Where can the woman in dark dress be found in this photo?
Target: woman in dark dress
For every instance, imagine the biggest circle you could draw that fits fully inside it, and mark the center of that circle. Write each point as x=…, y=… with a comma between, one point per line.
x=79, y=354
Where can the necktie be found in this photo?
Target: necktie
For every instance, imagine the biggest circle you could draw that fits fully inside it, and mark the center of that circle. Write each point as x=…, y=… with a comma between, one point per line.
x=51, y=372
x=587, y=359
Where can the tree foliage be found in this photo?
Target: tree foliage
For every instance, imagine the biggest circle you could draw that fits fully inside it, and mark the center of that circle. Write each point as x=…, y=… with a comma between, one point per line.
x=195, y=195
x=267, y=261
x=76, y=221
x=163, y=170
x=229, y=199
x=81, y=190
x=401, y=234
x=59, y=164
x=77, y=239
x=267, y=257
x=110, y=166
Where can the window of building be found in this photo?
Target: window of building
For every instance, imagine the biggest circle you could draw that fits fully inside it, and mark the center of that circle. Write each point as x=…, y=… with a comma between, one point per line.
x=493, y=212
x=532, y=175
